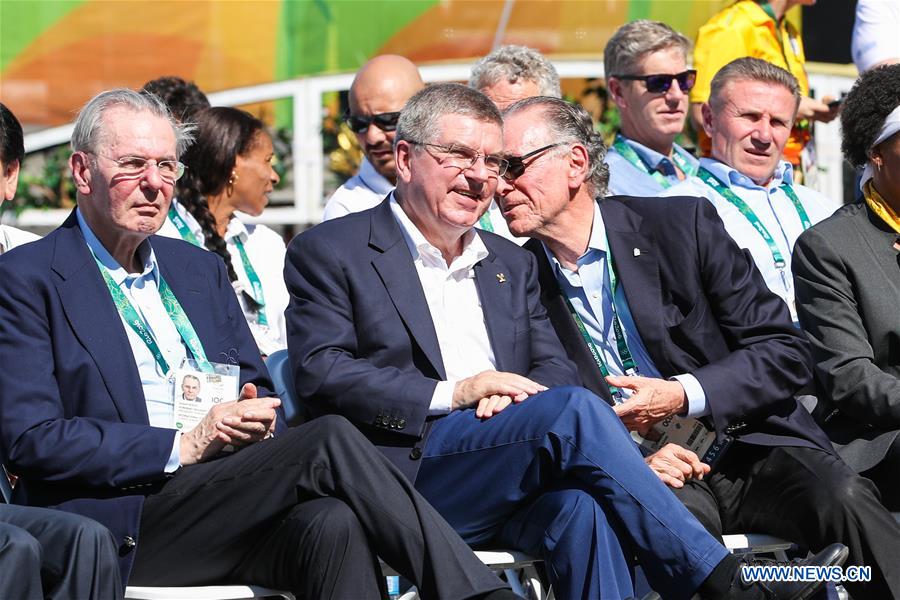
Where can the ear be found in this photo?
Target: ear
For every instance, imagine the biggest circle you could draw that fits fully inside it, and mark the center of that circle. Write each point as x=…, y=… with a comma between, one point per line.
x=402, y=158
x=708, y=126
x=12, y=180
x=81, y=172
x=579, y=166
x=614, y=87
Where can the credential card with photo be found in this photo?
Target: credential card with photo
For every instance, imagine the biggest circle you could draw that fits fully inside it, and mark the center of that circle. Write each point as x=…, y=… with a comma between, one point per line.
x=195, y=391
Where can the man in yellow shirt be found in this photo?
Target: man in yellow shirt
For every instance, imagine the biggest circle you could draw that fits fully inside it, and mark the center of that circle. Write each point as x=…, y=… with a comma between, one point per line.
x=757, y=29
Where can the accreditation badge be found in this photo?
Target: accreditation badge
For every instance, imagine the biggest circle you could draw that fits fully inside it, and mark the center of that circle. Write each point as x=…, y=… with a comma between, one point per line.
x=688, y=433
x=196, y=390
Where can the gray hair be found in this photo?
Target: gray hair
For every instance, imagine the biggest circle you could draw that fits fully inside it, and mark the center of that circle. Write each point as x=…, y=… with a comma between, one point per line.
x=633, y=41
x=420, y=119
x=751, y=69
x=89, y=124
x=571, y=123
x=512, y=63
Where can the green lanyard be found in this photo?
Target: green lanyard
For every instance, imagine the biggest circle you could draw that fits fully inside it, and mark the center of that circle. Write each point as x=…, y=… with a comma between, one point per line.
x=629, y=154
x=173, y=309
x=484, y=222
x=254, y=282
x=182, y=227
x=738, y=202
x=625, y=356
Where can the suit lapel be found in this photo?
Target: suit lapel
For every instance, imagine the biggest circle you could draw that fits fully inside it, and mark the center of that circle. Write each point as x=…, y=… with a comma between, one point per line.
x=636, y=259
x=96, y=323
x=398, y=274
x=495, y=295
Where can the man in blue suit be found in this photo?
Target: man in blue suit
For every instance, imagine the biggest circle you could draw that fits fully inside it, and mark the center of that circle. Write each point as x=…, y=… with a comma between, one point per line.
x=431, y=338
x=653, y=293
x=93, y=320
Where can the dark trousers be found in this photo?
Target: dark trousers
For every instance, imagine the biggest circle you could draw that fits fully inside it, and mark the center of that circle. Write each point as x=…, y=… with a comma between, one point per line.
x=46, y=553
x=804, y=495
x=886, y=475
x=308, y=512
x=557, y=476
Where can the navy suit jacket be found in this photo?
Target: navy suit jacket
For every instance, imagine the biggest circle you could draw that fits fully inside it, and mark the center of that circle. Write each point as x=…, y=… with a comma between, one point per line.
x=73, y=418
x=701, y=307
x=360, y=336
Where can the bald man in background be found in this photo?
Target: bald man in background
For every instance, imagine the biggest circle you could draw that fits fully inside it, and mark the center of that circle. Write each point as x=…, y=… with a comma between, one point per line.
x=378, y=93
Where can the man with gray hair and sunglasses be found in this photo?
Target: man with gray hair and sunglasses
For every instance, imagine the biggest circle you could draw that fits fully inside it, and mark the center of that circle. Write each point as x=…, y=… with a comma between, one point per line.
x=670, y=323
x=97, y=321
x=645, y=63
x=429, y=335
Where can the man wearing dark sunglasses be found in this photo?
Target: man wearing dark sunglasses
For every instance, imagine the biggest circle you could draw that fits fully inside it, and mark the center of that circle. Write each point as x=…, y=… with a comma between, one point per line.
x=647, y=77
x=665, y=316
x=379, y=91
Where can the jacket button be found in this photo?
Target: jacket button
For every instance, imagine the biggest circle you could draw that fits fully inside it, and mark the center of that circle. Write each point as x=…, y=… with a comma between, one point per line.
x=401, y=423
x=416, y=453
x=129, y=542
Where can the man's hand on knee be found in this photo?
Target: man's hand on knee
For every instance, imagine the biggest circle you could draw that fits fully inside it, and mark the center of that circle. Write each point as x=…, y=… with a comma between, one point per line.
x=237, y=423
x=674, y=465
x=652, y=401
x=480, y=389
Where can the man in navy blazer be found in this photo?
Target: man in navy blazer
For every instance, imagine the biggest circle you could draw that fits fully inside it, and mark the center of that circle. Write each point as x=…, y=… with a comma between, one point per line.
x=707, y=338
x=430, y=337
x=91, y=317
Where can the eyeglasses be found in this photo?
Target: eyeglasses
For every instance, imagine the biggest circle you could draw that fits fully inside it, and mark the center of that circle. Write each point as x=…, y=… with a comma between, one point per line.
x=517, y=164
x=463, y=158
x=383, y=121
x=169, y=170
x=660, y=83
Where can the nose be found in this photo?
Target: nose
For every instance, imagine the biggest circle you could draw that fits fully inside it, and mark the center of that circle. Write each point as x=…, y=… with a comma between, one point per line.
x=374, y=135
x=504, y=187
x=273, y=175
x=762, y=133
x=152, y=178
x=674, y=92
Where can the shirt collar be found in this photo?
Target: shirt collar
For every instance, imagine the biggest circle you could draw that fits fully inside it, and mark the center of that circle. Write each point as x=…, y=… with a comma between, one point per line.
x=784, y=173
x=115, y=270
x=474, y=249
x=236, y=229
x=374, y=180
x=596, y=242
x=4, y=239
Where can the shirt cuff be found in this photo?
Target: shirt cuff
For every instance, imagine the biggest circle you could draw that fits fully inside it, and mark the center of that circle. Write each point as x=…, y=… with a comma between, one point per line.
x=696, y=397
x=442, y=398
x=174, y=462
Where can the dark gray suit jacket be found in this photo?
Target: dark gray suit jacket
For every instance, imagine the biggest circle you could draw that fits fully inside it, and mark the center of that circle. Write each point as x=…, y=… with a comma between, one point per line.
x=847, y=278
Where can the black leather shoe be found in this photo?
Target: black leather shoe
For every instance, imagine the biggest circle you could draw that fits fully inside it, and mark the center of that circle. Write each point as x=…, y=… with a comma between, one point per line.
x=832, y=556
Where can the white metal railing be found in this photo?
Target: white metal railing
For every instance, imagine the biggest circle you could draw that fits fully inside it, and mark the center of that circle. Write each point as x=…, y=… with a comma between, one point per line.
x=307, y=144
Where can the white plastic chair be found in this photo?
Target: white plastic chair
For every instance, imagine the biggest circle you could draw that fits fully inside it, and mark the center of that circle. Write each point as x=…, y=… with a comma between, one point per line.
x=518, y=568
x=208, y=592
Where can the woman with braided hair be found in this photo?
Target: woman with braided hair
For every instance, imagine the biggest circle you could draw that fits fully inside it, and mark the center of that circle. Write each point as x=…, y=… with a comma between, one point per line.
x=229, y=169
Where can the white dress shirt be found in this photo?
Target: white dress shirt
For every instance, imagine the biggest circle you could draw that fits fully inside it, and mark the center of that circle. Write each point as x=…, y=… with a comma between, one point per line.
x=10, y=237
x=142, y=291
x=266, y=251
x=774, y=210
x=454, y=305
x=361, y=192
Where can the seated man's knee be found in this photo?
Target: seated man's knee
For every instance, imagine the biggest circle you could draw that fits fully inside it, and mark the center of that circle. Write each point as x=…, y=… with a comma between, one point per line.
x=326, y=519
x=20, y=547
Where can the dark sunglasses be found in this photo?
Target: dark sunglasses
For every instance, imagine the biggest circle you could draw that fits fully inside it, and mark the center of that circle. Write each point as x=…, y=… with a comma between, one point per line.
x=383, y=121
x=660, y=83
x=516, y=164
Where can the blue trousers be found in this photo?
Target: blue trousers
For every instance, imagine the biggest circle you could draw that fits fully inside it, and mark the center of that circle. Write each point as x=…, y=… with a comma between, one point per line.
x=558, y=476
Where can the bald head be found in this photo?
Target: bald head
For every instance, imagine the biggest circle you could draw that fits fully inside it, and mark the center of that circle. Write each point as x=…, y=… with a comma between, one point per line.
x=382, y=85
